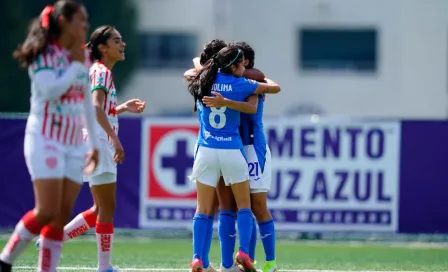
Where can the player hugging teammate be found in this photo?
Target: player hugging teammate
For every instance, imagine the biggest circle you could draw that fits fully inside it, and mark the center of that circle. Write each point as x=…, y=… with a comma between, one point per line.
x=224, y=97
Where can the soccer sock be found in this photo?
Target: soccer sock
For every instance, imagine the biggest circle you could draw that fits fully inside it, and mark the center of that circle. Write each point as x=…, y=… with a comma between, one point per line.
x=50, y=249
x=200, y=224
x=207, y=242
x=244, y=221
x=25, y=231
x=104, y=242
x=253, y=240
x=80, y=225
x=227, y=237
x=267, y=235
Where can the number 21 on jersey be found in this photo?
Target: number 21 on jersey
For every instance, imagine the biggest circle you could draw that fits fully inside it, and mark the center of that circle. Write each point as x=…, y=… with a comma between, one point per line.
x=217, y=117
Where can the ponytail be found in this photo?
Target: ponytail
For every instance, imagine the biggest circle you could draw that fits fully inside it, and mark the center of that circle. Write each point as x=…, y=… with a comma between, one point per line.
x=43, y=30
x=201, y=85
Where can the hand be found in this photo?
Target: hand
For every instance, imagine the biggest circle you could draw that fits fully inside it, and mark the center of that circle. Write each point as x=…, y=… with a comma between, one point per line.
x=119, y=151
x=135, y=105
x=92, y=161
x=216, y=101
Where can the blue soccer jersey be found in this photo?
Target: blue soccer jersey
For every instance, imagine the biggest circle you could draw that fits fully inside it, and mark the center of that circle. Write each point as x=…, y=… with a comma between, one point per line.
x=219, y=126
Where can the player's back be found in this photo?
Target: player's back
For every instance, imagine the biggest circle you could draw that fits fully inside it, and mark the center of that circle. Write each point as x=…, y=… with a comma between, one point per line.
x=251, y=128
x=219, y=126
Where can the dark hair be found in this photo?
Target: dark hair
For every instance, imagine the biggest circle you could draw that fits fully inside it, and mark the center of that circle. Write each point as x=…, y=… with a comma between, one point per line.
x=249, y=52
x=44, y=29
x=100, y=36
x=210, y=48
x=202, y=83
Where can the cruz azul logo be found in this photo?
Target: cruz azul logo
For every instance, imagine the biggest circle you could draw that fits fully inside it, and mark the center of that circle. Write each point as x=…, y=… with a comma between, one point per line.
x=168, y=160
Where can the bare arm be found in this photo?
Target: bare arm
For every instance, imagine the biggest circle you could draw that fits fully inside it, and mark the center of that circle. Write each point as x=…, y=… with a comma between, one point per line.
x=250, y=106
x=254, y=74
x=98, y=97
x=189, y=74
x=121, y=108
x=269, y=87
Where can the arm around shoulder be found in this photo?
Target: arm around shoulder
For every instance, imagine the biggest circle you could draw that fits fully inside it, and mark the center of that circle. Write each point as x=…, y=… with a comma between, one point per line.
x=269, y=87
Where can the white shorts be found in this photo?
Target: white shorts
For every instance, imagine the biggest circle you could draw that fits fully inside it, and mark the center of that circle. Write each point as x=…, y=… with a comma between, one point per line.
x=49, y=159
x=106, y=170
x=259, y=163
x=210, y=164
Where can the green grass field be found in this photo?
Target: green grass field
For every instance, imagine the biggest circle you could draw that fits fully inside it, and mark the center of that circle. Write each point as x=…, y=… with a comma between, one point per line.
x=174, y=255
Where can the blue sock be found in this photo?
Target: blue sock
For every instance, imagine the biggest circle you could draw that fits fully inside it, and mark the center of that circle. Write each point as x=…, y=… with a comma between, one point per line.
x=227, y=237
x=245, y=223
x=200, y=222
x=267, y=235
x=207, y=242
x=253, y=240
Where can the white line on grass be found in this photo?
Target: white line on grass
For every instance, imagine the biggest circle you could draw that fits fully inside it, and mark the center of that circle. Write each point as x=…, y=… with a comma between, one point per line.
x=75, y=268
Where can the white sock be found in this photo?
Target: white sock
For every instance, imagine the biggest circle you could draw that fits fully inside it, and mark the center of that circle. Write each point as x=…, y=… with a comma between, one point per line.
x=20, y=238
x=82, y=223
x=105, y=239
x=50, y=249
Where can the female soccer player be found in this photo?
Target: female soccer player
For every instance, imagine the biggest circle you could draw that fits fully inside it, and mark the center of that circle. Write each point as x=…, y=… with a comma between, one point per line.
x=210, y=48
x=107, y=48
x=259, y=161
x=220, y=150
x=53, y=144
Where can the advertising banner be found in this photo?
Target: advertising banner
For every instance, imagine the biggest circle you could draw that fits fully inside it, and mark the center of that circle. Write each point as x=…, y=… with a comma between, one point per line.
x=333, y=175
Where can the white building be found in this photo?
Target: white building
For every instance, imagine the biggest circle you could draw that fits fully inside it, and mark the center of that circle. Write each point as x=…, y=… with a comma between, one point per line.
x=381, y=58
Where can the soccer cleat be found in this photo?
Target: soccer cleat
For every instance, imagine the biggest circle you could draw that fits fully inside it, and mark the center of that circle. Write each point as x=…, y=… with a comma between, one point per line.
x=270, y=266
x=197, y=266
x=210, y=268
x=234, y=268
x=244, y=260
x=4, y=267
x=253, y=263
x=37, y=244
x=111, y=269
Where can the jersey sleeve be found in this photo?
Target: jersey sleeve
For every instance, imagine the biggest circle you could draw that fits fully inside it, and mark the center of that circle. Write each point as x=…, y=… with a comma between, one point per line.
x=100, y=79
x=248, y=86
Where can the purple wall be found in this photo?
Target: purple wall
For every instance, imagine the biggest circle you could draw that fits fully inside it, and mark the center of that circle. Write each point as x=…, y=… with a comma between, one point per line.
x=422, y=177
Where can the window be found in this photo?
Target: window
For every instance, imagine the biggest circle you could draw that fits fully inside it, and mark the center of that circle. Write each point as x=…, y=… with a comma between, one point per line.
x=167, y=50
x=338, y=49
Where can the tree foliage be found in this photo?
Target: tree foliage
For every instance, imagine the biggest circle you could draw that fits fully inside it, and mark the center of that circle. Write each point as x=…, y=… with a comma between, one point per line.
x=15, y=93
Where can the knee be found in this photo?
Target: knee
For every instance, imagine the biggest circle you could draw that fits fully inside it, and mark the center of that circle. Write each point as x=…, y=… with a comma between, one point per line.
x=204, y=209
x=227, y=204
x=261, y=211
x=46, y=215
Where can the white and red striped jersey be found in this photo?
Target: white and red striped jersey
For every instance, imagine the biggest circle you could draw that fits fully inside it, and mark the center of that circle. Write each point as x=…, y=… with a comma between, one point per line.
x=58, y=89
x=101, y=79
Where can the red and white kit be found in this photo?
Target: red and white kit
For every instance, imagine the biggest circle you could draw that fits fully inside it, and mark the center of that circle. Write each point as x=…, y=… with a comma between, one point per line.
x=60, y=108
x=101, y=80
